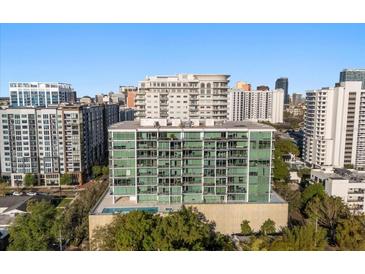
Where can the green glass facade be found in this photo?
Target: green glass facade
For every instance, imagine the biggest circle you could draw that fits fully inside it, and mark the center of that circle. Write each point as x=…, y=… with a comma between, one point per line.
x=190, y=166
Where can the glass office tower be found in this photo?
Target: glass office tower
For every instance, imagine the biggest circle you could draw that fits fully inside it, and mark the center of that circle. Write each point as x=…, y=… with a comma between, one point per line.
x=283, y=83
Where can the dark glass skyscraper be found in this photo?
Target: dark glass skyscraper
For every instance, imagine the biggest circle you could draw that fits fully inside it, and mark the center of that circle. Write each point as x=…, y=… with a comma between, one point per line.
x=283, y=83
x=353, y=75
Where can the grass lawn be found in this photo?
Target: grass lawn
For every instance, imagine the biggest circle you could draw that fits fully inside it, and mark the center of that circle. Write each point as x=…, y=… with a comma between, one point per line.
x=64, y=202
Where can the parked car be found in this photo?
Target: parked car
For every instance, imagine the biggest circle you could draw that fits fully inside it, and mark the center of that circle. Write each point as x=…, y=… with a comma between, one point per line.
x=30, y=193
x=16, y=193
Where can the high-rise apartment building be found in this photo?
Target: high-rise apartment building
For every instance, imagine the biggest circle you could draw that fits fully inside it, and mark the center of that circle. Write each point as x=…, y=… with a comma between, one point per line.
x=52, y=141
x=190, y=162
x=256, y=105
x=184, y=96
x=223, y=169
x=335, y=125
x=283, y=83
x=40, y=94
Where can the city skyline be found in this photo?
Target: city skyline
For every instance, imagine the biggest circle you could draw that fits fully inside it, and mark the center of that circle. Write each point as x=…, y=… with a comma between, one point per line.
x=97, y=58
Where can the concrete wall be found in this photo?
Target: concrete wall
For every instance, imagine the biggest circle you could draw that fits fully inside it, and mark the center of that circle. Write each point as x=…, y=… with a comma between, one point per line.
x=228, y=217
x=96, y=221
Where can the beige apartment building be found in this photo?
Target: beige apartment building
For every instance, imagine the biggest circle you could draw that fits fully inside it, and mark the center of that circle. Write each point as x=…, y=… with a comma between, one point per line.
x=183, y=96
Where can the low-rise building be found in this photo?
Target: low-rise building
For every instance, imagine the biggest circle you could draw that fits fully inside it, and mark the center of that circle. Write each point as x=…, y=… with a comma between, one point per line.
x=296, y=110
x=344, y=183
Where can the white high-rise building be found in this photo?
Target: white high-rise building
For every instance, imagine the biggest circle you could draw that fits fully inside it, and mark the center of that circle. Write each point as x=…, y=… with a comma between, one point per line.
x=184, y=96
x=256, y=105
x=334, y=133
x=40, y=94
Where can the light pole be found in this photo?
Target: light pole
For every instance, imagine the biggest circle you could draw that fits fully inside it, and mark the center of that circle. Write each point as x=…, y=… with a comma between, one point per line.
x=60, y=239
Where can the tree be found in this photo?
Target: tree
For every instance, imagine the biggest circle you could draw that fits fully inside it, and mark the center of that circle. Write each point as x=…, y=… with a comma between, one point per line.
x=304, y=172
x=182, y=230
x=286, y=146
x=245, y=228
x=75, y=225
x=301, y=238
x=130, y=232
x=350, y=233
x=66, y=179
x=96, y=171
x=280, y=171
x=188, y=229
x=327, y=211
x=29, y=180
x=35, y=229
x=268, y=227
x=282, y=147
x=105, y=170
x=3, y=187
x=257, y=243
x=312, y=191
x=293, y=198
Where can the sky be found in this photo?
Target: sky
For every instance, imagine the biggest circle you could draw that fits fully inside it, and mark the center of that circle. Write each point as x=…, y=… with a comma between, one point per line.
x=98, y=58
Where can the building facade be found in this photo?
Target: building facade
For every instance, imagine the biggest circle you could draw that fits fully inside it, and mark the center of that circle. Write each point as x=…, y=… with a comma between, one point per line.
x=346, y=184
x=52, y=141
x=126, y=114
x=334, y=127
x=184, y=96
x=296, y=99
x=176, y=162
x=283, y=83
x=256, y=105
x=130, y=93
x=40, y=94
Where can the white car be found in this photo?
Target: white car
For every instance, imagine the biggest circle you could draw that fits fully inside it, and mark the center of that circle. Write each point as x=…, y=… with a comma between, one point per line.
x=32, y=193
x=16, y=193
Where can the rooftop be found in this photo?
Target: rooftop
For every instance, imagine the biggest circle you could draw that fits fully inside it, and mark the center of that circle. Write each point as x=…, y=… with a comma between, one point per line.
x=193, y=124
x=187, y=77
x=352, y=176
x=39, y=84
x=106, y=206
x=8, y=203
